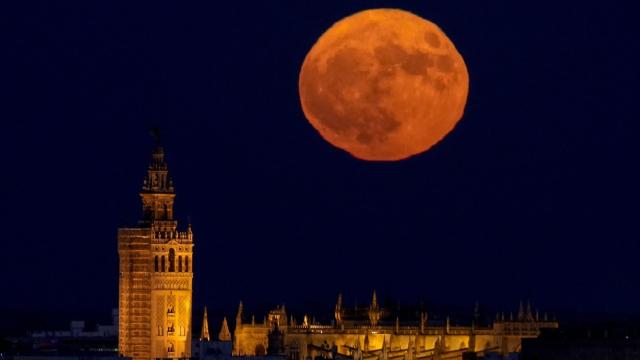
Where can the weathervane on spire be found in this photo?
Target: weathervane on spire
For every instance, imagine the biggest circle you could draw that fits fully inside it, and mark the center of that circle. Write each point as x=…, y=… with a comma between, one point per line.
x=155, y=134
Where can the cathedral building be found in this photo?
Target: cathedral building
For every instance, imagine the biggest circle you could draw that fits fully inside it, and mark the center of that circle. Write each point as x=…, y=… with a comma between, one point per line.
x=155, y=308
x=374, y=333
x=156, y=273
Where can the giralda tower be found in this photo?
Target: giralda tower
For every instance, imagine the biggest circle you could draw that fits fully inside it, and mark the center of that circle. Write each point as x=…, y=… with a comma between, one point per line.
x=156, y=273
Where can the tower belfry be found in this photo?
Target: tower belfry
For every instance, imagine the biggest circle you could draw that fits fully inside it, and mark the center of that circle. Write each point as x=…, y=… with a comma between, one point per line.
x=157, y=191
x=156, y=274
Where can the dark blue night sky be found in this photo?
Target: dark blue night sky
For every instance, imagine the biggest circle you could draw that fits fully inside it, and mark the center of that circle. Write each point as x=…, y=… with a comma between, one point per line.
x=533, y=195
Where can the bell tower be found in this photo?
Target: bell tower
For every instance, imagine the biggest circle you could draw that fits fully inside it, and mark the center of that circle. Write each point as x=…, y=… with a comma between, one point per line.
x=156, y=274
x=157, y=190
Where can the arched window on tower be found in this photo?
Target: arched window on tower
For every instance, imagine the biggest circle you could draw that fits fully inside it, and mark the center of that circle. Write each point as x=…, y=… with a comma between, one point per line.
x=186, y=264
x=180, y=263
x=172, y=260
x=162, y=263
x=165, y=212
x=155, y=263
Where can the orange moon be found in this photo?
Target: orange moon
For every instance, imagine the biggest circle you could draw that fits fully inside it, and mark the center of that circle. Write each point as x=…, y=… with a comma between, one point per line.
x=383, y=85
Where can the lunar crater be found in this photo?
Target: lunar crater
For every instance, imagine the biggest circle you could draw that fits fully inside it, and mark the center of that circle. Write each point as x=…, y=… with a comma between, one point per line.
x=432, y=39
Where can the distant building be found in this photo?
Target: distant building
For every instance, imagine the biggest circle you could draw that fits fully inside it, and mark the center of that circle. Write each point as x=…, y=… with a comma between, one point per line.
x=156, y=273
x=77, y=342
x=77, y=330
x=601, y=342
x=372, y=333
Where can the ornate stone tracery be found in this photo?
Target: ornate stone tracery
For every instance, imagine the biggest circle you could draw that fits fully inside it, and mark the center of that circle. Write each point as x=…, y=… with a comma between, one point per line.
x=155, y=292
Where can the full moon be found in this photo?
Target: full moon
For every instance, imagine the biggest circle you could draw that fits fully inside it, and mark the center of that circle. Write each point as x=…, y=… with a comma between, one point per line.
x=383, y=85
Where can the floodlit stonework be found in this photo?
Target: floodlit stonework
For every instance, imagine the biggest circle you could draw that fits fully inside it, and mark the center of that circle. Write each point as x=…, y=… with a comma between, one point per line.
x=156, y=273
x=155, y=308
x=373, y=333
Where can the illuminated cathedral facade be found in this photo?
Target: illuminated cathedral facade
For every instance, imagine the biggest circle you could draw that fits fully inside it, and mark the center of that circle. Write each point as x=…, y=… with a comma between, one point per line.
x=155, y=307
x=372, y=332
x=156, y=273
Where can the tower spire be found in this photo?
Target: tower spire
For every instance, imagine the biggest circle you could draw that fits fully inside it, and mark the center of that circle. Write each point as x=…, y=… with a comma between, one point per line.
x=155, y=134
x=239, y=316
x=204, y=333
x=224, y=334
x=529, y=314
x=374, y=310
x=338, y=310
x=521, y=316
x=374, y=300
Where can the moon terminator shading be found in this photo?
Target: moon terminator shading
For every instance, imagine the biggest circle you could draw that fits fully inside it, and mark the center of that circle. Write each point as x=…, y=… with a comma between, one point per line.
x=383, y=84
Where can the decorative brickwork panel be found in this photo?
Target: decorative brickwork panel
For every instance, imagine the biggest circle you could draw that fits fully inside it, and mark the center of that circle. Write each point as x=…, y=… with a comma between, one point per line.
x=147, y=308
x=182, y=310
x=172, y=284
